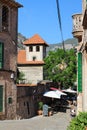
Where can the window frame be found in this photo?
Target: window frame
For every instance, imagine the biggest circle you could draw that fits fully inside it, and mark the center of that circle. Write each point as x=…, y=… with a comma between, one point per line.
x=31, y=48
x=37, y=48
x=1, y=99
x=5, y=18
x=2, y=55
x=34, y=58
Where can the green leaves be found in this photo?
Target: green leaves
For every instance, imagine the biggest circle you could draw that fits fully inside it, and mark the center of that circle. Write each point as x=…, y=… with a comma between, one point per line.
x=60, y=67
x=79, y=122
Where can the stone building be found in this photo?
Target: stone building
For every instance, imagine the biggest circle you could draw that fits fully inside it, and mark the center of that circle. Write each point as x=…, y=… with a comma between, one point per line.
x=30, y=60
x=80, y=32
x=8, y=56
x=28, y=96
x=30, y=63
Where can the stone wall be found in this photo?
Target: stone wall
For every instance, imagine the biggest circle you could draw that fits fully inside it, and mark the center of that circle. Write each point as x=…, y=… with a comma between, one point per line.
x=25, y=102
x=33, y=74
x=9, y=92
x=28, y=97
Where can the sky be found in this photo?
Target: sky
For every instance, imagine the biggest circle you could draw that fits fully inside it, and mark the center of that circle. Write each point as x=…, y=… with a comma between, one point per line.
x=40, y=17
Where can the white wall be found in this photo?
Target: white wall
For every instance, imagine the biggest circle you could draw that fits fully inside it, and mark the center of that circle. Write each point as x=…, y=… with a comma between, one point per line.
x=33, y=74
x=38, y=55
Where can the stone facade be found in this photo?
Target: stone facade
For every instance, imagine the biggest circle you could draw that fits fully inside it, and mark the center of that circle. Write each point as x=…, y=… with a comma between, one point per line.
x=25, y=101
x=81, y=35
x=36, y=73
x=28, y=97
x=8, y=58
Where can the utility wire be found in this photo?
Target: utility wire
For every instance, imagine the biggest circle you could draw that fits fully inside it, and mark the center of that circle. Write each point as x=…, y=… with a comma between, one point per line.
x=60, y=25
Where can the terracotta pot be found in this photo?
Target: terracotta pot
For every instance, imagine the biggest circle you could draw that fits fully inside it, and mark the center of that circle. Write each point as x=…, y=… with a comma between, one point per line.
x=39, y=112
x=50, y=113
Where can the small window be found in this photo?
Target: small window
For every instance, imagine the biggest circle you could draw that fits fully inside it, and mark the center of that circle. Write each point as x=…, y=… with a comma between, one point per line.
x=1, y=98
x=5, y=12
x=1, y=55
x=10, y=100
x=34, y=58
x=37, y=48
x=30, y=48
x=28, y=110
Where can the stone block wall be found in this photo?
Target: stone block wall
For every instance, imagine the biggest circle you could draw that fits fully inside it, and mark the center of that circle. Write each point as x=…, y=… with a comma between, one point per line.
x=25, y=102
x=9, y=91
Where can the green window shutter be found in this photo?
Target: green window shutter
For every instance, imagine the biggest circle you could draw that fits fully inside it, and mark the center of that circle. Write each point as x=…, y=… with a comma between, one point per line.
x=79, y=72
x=1, y=98
x=1, y=55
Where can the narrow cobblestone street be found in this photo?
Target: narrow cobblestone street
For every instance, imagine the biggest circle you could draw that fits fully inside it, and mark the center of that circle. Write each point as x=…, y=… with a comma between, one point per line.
x=58, y=121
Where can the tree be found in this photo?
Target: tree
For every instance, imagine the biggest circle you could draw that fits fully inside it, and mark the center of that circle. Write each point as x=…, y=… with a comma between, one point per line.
x=60, y=67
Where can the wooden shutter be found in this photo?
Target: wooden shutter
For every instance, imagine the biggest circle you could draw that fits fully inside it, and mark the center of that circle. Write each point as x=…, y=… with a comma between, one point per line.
x=79, y=72
x=1, y=98
x=1, y=55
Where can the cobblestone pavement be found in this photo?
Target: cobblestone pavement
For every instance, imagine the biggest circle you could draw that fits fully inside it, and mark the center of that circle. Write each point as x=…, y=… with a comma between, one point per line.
x=58, y=121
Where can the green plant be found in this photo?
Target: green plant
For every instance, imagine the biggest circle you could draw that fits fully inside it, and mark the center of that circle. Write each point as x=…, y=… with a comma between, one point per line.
x=40, y=105
x=61, y=67
x=79, y=122
x=20, y=77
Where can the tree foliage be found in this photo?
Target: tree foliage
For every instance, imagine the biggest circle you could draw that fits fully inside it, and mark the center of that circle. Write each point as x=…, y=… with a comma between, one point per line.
x=60, y=67
x=79, y=122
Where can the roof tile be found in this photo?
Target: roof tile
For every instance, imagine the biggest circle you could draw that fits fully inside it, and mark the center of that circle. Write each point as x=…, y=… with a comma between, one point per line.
x=36, y=39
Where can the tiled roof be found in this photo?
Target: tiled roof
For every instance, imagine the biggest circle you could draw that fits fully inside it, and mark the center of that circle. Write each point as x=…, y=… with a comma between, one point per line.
x=21, y=59
x=36, y=39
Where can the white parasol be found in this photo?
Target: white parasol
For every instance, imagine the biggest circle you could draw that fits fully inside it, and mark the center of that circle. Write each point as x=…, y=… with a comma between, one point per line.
x=60, y=92
x=69, y=90
x=52, y=94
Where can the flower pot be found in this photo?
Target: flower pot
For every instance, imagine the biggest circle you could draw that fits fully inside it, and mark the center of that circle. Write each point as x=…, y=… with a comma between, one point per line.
x=39, y=112
x=50, y=113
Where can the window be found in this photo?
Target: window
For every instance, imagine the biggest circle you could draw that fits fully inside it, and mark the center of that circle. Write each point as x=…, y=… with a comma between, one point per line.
x=37, y=48
x=34, y=58
x=30, y=48
x=10, y=100
x=28, y=110
x=1, y=98
x=1, y=55
x=5, y=18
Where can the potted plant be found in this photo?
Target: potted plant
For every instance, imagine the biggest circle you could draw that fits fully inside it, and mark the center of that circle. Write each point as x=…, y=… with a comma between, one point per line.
x=40, y=108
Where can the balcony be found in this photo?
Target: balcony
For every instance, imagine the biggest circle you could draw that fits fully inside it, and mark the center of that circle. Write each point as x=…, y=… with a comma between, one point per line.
x=77, y=26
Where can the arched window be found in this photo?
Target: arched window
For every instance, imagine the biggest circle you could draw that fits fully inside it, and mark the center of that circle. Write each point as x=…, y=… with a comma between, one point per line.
x=37, y=48
x=30, y=48
x=5, y=17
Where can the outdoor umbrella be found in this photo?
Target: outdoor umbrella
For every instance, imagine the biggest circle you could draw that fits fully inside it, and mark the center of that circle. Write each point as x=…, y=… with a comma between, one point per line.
x=69, y=90
x=58, y=91
x=52, y=94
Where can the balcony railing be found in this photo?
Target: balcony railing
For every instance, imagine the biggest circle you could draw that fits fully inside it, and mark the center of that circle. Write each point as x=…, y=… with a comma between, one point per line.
x=77, y=25
x=77, y=22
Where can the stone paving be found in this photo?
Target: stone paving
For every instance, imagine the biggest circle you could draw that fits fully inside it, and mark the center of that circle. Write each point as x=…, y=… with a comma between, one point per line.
x=59, y=121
